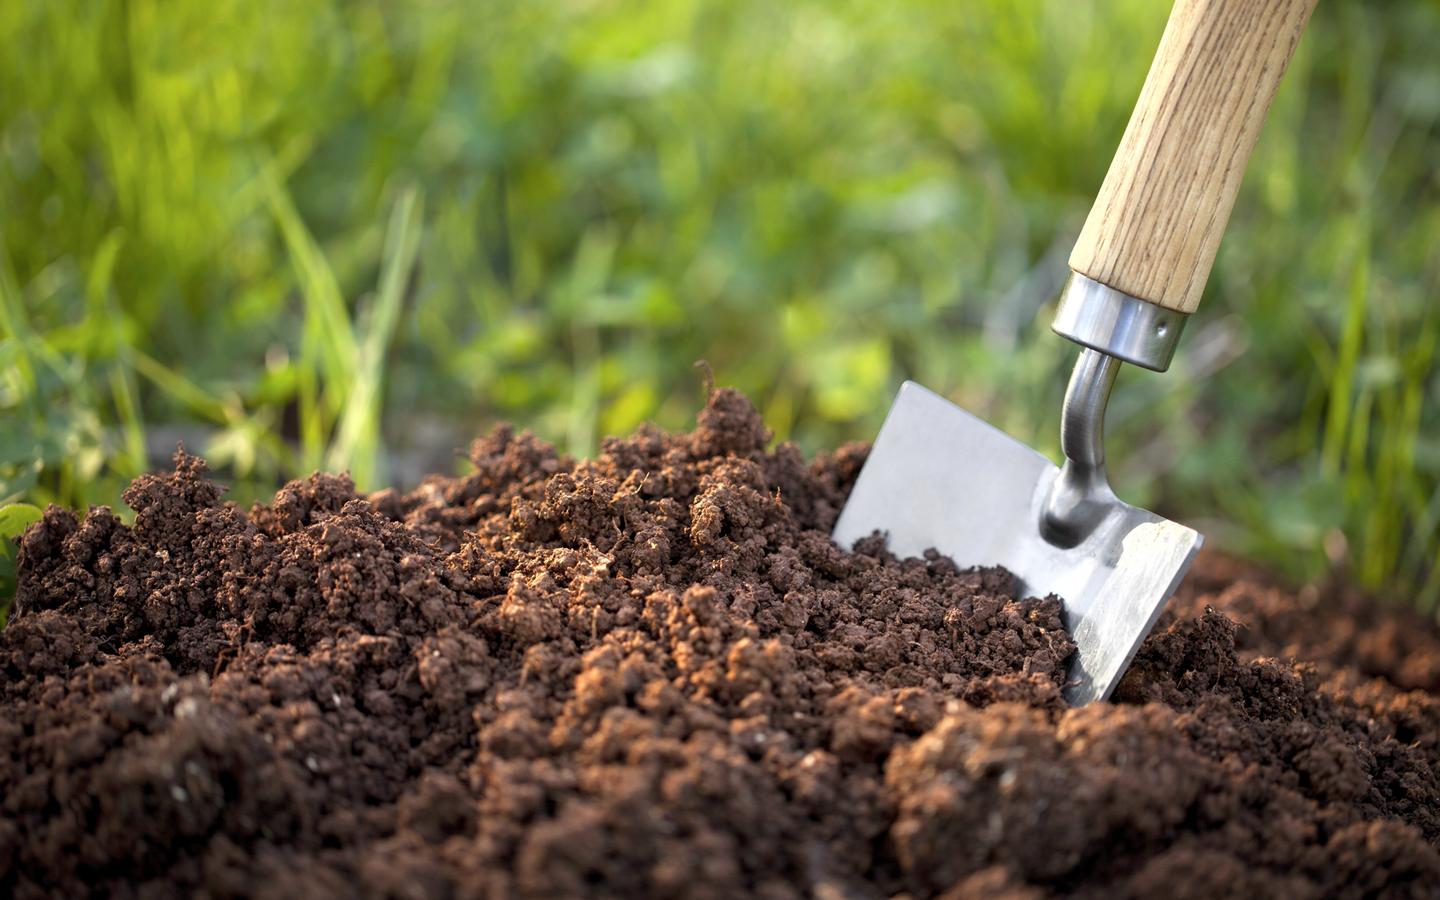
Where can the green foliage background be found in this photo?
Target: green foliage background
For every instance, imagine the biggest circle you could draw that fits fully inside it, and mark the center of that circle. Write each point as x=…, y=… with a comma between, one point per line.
x=326, y=234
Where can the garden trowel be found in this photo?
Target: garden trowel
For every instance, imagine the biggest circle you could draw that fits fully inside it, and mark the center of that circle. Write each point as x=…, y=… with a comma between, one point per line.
x=941, y=478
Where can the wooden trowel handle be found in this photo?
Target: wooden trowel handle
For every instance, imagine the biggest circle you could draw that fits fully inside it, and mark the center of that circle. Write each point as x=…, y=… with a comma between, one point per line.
x=1157, y=222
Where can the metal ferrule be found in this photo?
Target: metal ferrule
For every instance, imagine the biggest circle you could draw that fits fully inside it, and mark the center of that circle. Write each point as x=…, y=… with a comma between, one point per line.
x=1099, y=317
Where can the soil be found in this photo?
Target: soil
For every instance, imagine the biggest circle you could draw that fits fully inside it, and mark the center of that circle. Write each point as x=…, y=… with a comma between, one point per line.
x=651, y=674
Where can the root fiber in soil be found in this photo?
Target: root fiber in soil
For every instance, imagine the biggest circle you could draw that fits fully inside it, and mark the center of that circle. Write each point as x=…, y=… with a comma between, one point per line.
x=652, y=674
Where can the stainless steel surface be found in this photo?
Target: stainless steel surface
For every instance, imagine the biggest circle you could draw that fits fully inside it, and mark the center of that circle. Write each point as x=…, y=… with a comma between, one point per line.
x=1081, y=497
x=1115, y=323
x=940, y=477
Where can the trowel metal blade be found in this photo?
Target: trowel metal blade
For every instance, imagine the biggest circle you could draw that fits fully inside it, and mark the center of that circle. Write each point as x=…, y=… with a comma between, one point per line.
x=939, y=477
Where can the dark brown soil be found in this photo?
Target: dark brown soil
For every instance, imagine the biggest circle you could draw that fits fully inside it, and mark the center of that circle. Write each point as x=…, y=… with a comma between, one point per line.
x=653, y=675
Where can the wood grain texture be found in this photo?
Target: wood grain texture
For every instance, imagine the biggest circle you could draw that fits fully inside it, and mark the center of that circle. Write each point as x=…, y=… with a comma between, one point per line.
x=1166, y=200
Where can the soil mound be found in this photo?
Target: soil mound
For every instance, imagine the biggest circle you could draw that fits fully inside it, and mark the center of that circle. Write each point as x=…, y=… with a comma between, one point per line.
x=651, y=674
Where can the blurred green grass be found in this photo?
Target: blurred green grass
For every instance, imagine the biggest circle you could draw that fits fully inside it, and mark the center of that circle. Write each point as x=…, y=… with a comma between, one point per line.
x=340, y=234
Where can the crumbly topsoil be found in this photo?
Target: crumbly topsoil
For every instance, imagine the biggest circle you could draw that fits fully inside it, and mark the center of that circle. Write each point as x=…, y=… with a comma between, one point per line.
x=653, y=675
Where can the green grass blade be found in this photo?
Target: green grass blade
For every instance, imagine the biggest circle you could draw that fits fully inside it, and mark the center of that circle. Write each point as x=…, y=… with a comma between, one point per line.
x=357, y=444
x=1342, y=381
x=328, y=341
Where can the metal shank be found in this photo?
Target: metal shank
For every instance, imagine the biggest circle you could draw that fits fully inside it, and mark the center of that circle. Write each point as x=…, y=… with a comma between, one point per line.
x=1117, y=324
x=1081, y=497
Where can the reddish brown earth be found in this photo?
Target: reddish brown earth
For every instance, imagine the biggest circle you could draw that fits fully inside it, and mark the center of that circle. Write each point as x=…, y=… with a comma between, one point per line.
x=653, y=675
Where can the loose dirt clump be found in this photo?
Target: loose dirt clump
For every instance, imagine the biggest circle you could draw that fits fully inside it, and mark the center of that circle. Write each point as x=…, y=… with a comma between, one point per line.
x=651, y=674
